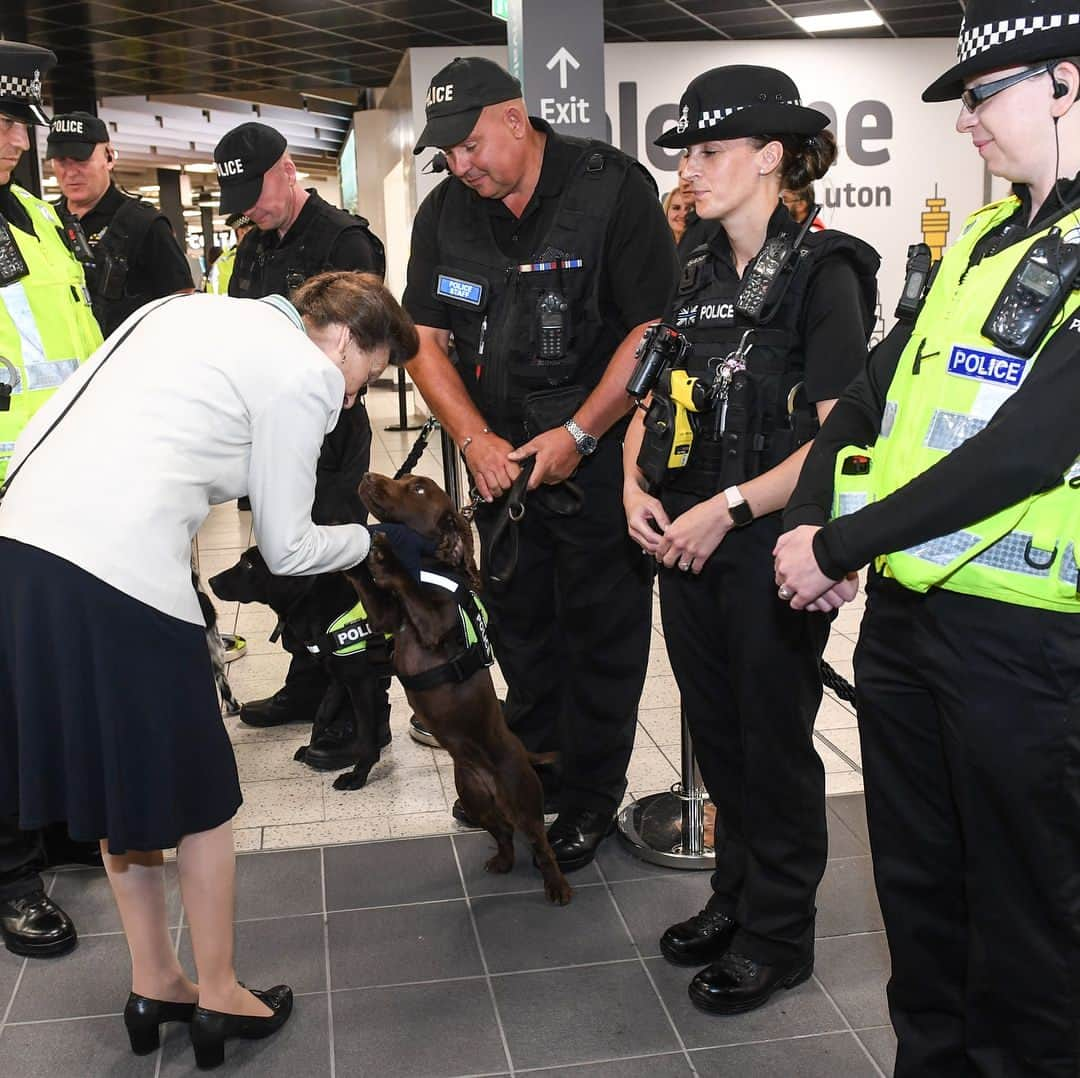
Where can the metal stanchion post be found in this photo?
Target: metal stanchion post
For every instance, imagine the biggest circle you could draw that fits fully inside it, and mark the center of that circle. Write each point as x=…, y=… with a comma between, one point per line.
x=403, y=410
x=451, y=469
x=669, y=828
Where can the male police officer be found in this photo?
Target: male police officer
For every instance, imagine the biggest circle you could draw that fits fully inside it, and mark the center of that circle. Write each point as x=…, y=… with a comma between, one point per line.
x=136, y=257
x=46, y=329
x=222, y=270
x=545, y=257
x=297, y=235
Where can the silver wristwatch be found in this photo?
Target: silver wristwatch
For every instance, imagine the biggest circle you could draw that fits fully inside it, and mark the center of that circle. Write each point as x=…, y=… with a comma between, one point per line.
x=585, y=442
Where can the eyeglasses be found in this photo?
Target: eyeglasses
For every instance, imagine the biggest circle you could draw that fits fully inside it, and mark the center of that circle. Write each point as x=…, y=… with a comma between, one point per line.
x=974, y=97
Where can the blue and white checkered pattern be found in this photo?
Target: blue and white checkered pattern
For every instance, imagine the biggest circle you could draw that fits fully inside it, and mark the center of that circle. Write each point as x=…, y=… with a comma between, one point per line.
x=977, y=39
x=711, y=117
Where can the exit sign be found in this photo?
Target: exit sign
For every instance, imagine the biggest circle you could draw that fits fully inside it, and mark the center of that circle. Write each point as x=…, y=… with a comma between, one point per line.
x=500, y=9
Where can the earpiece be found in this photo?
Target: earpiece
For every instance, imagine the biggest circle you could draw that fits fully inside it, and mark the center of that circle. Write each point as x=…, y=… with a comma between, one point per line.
x=1060, y=89
x=109, y=156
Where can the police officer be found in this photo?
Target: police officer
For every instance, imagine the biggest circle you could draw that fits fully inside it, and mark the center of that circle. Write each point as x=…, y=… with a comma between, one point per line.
x=135, y=256
x=221, y=272
x=960, y=440
x=545, y=256
x=297, y=234
x=777, y=321
x=46, y=328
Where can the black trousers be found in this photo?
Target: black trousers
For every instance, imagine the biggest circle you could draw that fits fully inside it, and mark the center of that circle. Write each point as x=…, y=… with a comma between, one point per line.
x=969, y=715
x=22, y=856
x=572, y=632
x=748, y=669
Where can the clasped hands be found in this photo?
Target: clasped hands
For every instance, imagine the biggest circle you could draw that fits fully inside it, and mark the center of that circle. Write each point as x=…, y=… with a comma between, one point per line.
x=494, y=463
x=799, y=579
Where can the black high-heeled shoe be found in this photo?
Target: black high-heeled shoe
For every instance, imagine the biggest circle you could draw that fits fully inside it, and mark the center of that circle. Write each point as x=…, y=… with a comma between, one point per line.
x=143, y=1016
x=210, y=1029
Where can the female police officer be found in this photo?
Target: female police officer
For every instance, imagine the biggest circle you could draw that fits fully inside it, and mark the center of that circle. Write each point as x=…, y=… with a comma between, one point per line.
x=968, y=666
x=778, y=321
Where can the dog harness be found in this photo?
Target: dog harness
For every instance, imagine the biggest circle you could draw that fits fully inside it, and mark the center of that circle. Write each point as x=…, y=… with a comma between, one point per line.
x=350, y=634
x=472, y=633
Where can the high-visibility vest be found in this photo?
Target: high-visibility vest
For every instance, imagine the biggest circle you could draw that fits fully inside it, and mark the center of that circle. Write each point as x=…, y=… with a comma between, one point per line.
x=221, y=271
x=47, y=325
x=948, y=384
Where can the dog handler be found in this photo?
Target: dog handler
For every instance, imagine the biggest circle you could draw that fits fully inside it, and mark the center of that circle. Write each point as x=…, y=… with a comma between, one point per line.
x=777, y=320
x=109, y=483
x=968, y=664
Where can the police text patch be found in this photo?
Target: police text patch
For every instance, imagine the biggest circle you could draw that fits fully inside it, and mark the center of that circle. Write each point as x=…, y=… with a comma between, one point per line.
x=459, y=290
x=986, y=366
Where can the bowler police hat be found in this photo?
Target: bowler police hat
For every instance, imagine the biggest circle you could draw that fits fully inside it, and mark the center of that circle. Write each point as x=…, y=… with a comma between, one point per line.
x=1008, y=33
x=21, y=68
x=737, y=101
x=458, y=94
x=242, y=157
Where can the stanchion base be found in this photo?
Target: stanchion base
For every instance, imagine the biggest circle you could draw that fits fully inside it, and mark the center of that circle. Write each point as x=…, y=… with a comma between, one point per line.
x=652, y=830
x=407, y=426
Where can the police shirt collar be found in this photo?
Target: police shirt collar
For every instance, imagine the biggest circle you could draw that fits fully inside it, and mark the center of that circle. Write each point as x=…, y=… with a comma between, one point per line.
x=107, y=205
x=780, y=221
x=1068, y=191
x=559, y=155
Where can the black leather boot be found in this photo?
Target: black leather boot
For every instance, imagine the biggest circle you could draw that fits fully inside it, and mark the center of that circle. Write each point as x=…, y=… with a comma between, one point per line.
x=699, y=939
x=735, y=983
x=284, y=706
x=210, y=1029
x=575, y=836
x=143, y=1017
x=36, y=927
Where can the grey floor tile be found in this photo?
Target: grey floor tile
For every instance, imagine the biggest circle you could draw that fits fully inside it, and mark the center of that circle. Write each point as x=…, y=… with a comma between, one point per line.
x=881, y=1044
x=390, y=873
x=671, y=1065
x=843, y=842
x=287, y=950
x=301, y=1049
x=519, y=932
x=417, y=1031
x=618, y=863
x=10, y=965
x=851, y=808
x=581, y=1015
x=85, y=1048
x=846, y=899
x=854, y=971
x=475, y=847
x=87, y=898
x=278, y=884
x=794, y=1012
x=94, y=979
x=808, y=1057
x=651, y=906
x=401, y=944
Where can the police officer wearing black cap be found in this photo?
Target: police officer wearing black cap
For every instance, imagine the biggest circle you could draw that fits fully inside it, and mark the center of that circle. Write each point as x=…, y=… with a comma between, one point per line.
x=46, y=329
x=298, y=234
x=769, y=325
x=135, y=255
x=544, y=257
x=965, y=501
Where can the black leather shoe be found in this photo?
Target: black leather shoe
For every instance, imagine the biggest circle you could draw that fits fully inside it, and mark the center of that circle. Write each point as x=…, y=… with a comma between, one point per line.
x=278, y=709
x=143, y=1016
x=36, y=927
x=735, y=983
x=419, y=732
x=700, y=939
x=210, y=1029
x=574, y=836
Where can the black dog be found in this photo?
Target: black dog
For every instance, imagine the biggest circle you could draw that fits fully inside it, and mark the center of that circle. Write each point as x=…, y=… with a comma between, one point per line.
x=352, y=723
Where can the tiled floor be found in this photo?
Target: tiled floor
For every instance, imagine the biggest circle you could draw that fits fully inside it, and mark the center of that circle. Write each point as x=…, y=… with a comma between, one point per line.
x=409, y=960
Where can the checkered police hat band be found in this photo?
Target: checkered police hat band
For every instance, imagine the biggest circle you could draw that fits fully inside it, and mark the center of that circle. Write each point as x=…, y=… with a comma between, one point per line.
x=15, y=88
x=980, y=38
x=711, y=117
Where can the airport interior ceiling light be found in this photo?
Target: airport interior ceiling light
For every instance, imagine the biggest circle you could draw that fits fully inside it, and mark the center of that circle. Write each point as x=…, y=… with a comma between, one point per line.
x=841, y=20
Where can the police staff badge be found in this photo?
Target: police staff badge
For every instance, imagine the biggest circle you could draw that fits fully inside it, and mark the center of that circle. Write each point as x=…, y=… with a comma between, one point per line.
x=684, y=119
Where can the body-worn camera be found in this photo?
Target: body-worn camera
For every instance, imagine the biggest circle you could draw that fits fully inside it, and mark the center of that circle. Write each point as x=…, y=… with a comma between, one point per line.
x=917, y=278
x=662, y=347
x=76, y=239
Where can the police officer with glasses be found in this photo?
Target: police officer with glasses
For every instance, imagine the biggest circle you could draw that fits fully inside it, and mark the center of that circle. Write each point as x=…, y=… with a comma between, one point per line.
x=960, y=443
x=135, y=256
x=769, y=324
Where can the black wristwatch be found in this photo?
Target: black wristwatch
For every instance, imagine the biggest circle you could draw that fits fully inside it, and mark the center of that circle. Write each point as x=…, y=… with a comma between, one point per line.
x=738, y=507
x=585, y=442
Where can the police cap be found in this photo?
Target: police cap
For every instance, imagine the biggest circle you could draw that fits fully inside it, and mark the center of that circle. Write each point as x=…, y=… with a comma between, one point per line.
x=458, y=94
x=243, y=157
x=21, y=68
x=738, y=101
x=74, y=135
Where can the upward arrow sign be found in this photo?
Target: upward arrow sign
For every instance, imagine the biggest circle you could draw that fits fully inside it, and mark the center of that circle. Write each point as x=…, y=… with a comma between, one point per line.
x=562, y=58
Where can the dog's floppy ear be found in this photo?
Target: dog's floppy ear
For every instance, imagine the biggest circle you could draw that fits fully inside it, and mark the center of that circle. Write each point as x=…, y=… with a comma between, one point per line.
x=455, y=546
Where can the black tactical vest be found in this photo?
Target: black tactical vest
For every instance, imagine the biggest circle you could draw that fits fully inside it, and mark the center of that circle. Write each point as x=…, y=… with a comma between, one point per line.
x=494, y=304
x=264, y=266
x=114, y=290
x=768, y=417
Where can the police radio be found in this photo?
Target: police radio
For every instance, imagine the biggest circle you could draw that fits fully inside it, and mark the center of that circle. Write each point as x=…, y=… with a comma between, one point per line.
x=551, y=310
x=768, y=275
x=918, y=275
x=662, y=347
x=13, y=266
x=1034, y=295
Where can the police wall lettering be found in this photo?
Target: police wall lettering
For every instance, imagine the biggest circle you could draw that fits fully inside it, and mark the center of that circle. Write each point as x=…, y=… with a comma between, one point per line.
x=235, y=167
x=440, y=94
